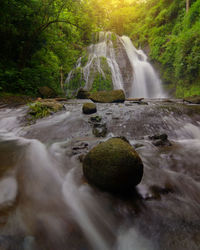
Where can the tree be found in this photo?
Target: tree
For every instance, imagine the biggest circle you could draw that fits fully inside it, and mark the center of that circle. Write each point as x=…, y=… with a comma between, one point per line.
x=187, y=5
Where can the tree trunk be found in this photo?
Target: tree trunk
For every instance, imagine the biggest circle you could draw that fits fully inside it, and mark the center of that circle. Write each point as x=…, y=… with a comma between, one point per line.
x=187, y=5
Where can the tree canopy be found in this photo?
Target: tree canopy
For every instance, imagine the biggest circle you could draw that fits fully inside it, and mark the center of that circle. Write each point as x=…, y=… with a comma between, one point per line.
x=41, y=38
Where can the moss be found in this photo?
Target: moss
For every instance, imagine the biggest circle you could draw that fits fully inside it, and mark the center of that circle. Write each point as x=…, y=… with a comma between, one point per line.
x=108, y=96
x=114, y=40
x=102, y=81
x=77, y=81
x=180, y=109
x=83, y=94
x=113, y=166
x=193, y=99
x=46, y=92
x=43, y=109
x=89, y=108
x=84, y=60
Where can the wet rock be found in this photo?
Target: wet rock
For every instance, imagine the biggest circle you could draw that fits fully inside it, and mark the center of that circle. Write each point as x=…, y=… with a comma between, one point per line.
x=138, y=145
x=160, y=140
x=192, y=100
x=143, y=103
x=83, y=94
x=134, y=99
x=113, y=166
x=8, y=194
x=79, y=147
x=60, y=99
x=108, y=96
x=99, y=129
x=95, y=119
x=81, y=157
x=89, y=108
x=46, y=92
x=42, y=108
x=157, y=191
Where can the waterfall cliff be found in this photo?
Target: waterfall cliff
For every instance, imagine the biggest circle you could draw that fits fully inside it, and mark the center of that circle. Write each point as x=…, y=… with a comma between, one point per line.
x=114, y=63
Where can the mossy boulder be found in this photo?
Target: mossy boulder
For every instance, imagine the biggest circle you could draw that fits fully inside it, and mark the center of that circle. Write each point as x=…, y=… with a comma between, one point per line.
x=113, y=166
x=108, y=96
x=47, y=92
x=193, y=99
x=42, y=108
x=89, y=108
x=83, y=94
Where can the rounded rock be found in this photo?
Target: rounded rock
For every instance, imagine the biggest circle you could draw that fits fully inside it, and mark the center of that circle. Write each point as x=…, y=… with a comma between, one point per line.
x=89, y=108
x=113, y=166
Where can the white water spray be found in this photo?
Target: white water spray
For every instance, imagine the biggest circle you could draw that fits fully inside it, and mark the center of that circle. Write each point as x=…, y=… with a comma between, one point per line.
x=145, y=81
x=128, y=66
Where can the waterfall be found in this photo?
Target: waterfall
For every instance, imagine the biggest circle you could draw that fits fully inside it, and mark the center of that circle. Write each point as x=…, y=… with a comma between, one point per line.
x=114, y=63
x=145, y=81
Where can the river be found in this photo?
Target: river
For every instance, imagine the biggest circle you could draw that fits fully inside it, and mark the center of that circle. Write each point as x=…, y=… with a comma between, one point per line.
x=46, y=204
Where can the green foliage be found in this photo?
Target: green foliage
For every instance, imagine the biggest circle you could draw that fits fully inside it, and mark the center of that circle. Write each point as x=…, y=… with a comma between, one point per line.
x=42, y=39
x=37, y=110
x=100, y=83
x=42, y=109
x=38, y=38
x=173, y=37
x=103, y=81
x=76, y=82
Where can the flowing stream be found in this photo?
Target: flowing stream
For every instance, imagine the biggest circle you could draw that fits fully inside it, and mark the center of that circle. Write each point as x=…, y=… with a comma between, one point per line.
x=128, y=67
x=46, y=204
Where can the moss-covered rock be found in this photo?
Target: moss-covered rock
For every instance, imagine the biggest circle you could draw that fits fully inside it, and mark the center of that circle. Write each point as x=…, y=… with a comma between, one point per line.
x=108, y=96
x=99, y=129
x=89, y=108
x=46, y=92
x=42, y=108
x=83, y=94
x=193, y=99
x=113, y=166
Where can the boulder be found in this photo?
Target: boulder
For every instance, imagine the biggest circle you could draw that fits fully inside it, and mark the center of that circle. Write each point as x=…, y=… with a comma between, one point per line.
x=99, y=129
x=95, y=119
x=83, y=94
x=42, y=108
x=47, y=92
x=192, y=99
x=113, y=166
x=108, y=96
x=160, y=140
x=89, y=108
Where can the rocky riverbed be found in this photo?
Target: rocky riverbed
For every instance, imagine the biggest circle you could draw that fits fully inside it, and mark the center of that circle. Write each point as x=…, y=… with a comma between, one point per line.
x=46, y=203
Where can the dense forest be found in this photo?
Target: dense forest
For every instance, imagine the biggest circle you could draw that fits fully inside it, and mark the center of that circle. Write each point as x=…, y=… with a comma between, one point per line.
x=42, y=39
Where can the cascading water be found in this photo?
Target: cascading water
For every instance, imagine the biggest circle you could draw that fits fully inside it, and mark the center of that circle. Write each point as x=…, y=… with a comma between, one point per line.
x=45, y=203
x=146, y=83
x=114, y=63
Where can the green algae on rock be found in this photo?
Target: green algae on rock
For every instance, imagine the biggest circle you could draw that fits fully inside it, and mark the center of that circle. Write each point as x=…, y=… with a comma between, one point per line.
x=47, y=92
x=113, y=166
x=108, y=96
x=43, y=108
x=83, y=94
x=89, y=108
x=192, y=99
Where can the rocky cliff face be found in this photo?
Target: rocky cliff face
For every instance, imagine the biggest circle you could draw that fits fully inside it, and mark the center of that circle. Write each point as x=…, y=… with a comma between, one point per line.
x=114, y=63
